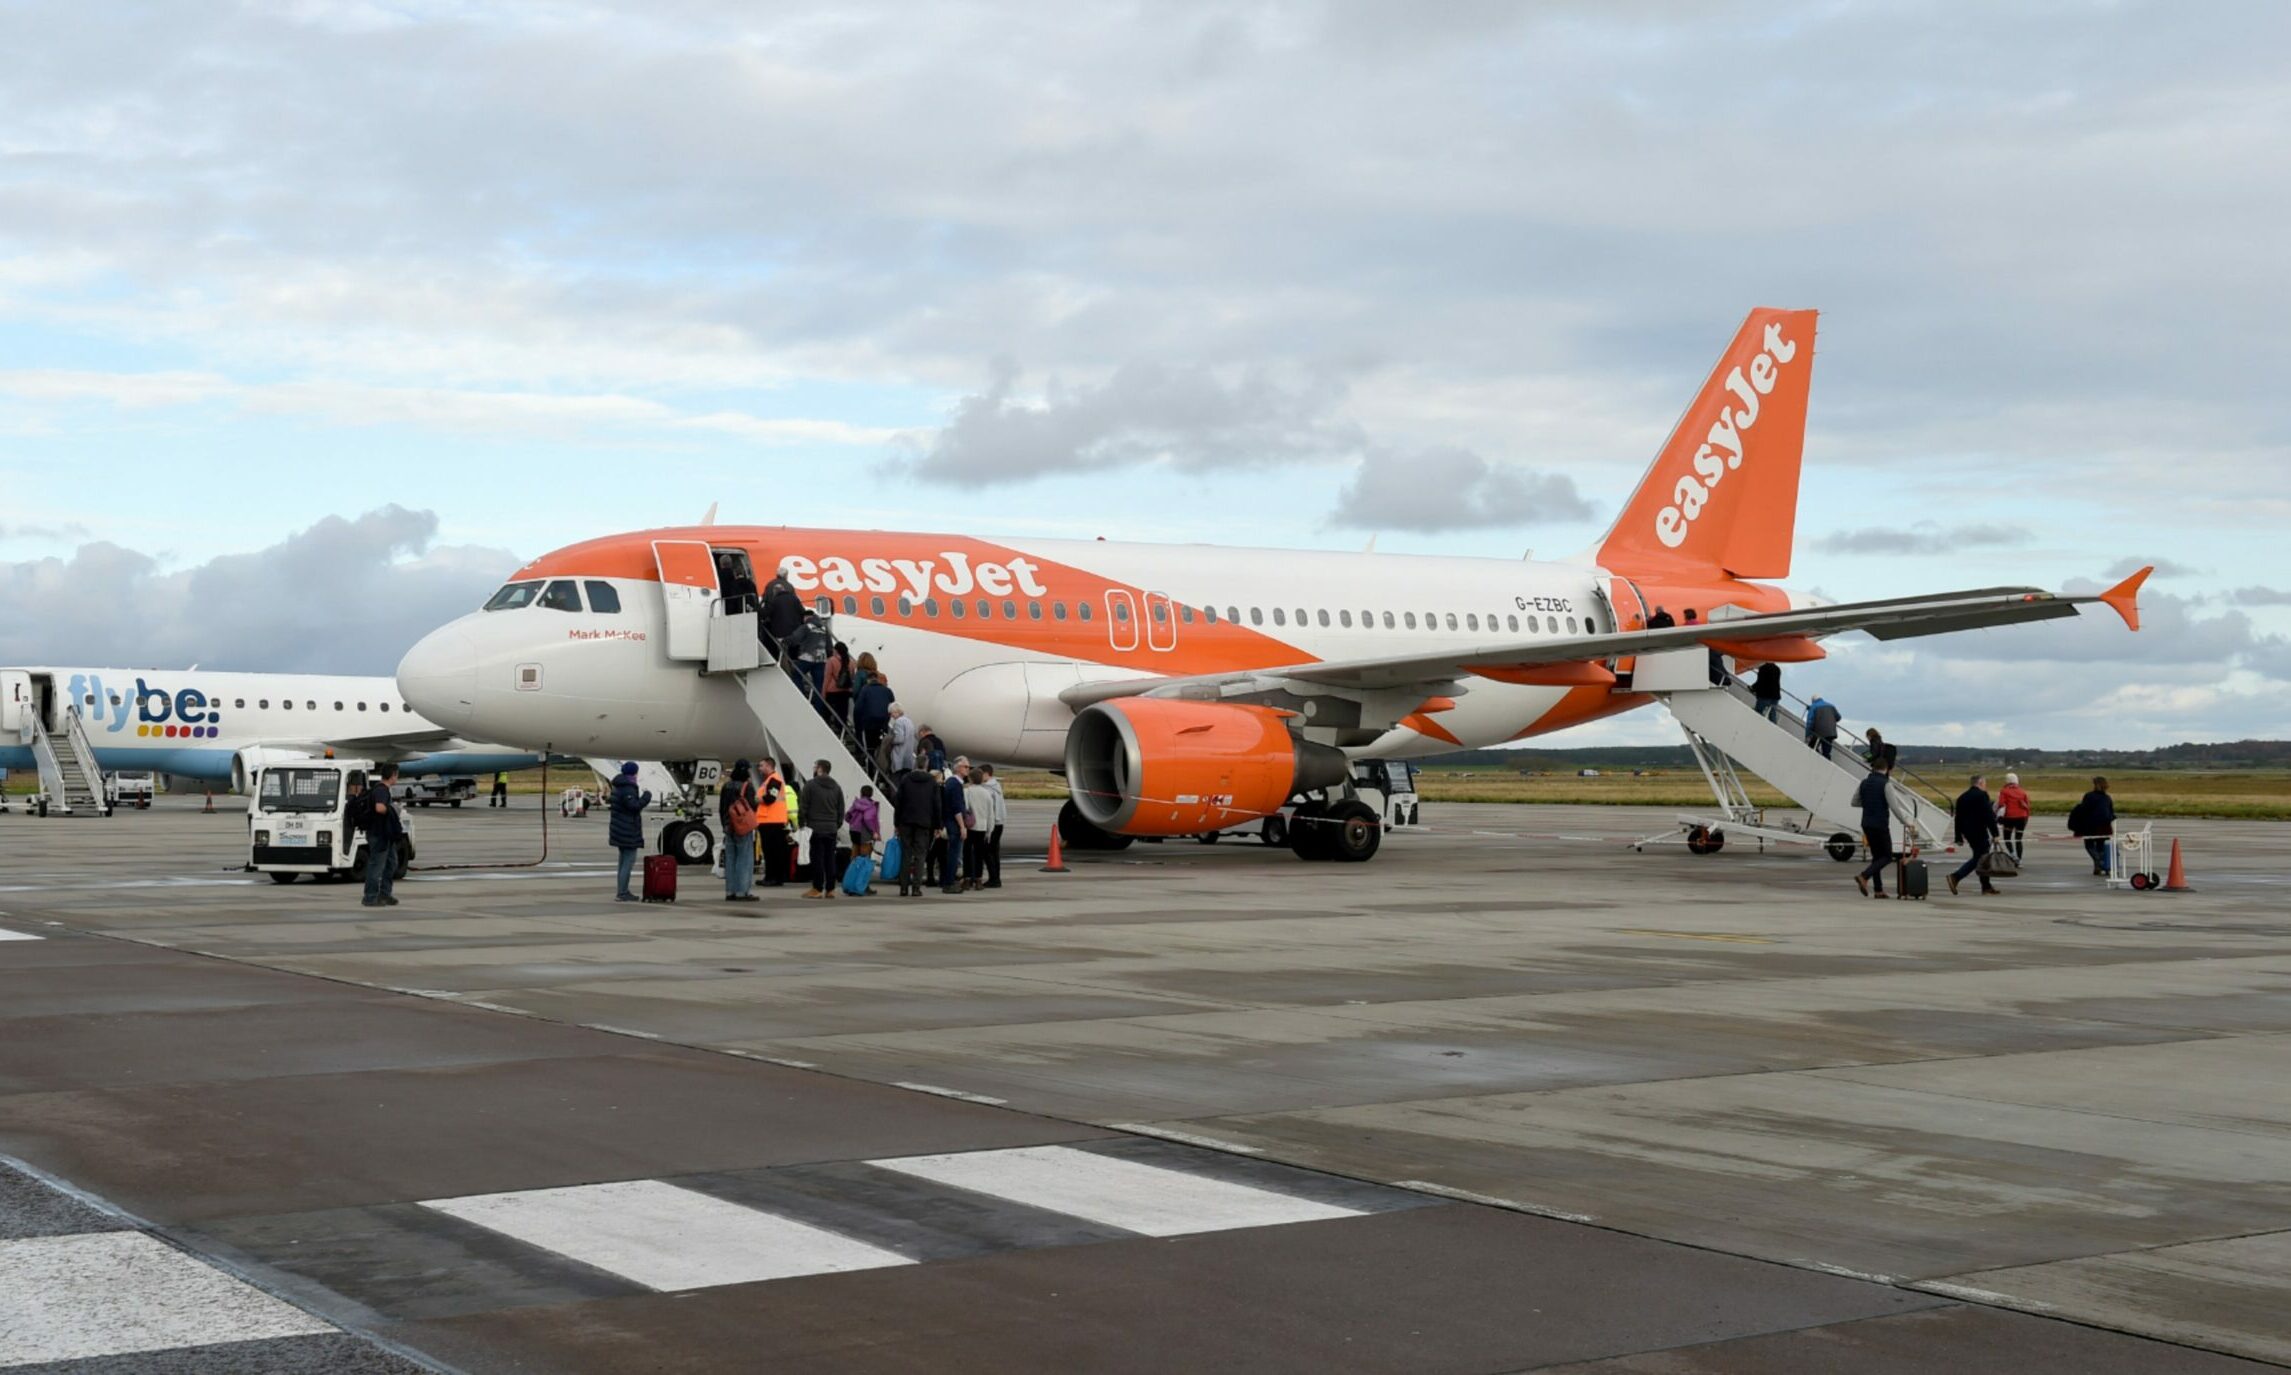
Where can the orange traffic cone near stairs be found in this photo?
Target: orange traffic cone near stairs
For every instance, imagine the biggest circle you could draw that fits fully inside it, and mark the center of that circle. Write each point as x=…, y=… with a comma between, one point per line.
x=1057, y=864
x=2176, y=877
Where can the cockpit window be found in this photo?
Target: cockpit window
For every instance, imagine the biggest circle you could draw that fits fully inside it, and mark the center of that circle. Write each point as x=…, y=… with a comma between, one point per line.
x=562, y=596
x=514, y=596
x=604, y=598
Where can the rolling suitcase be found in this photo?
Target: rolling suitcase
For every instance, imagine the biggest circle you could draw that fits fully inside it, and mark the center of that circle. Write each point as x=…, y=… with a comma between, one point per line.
x=1910, y=880
x=660, y=878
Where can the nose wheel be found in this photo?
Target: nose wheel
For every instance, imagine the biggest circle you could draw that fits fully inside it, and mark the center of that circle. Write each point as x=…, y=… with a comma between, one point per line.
x=691, y=842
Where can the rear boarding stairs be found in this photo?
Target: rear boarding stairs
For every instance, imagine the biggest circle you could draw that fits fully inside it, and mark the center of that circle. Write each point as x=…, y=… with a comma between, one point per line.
x=1727, y=734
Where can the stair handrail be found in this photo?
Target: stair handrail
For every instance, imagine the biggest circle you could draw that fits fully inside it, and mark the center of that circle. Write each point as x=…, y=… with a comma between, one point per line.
x=44, y=760
x=1910, y=780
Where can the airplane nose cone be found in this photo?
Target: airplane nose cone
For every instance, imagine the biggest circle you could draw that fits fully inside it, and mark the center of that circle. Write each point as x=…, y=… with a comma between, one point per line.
x=438, y=677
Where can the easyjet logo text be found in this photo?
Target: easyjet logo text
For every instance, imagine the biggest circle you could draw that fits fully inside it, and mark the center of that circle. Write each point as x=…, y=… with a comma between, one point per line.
x=951, y=574
x=1721, y=451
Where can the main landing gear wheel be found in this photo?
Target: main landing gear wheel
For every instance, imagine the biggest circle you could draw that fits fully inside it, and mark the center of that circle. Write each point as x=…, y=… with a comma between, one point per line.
x=1702, y=840
x=690, y=841
x=1841, y=847
x=1352, y=833
x=1207, y=837
x=1080, y=833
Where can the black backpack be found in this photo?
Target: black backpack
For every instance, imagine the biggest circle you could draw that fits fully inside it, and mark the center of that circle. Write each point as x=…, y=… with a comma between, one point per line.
x=360, y=813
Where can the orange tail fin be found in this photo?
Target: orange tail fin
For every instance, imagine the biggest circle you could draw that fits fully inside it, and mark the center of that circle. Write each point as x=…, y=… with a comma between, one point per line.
x=1723, y=493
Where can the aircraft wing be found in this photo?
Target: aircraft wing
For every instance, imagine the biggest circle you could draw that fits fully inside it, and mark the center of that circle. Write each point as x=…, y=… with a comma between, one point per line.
x=398, y=745
x=1575, y=659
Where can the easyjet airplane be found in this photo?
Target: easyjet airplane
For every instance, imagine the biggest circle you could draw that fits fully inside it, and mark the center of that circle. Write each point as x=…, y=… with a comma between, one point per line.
x=1186, y=689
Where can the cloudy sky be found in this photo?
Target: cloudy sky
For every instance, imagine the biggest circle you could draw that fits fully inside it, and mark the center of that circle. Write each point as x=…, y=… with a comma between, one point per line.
x=315, y=317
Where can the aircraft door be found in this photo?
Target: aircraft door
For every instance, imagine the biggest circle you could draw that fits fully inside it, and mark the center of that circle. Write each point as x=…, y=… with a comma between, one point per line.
x=688, y=585
x=16, y=701
x=1160, y=621
x=1625, y=611
x=1122, y=620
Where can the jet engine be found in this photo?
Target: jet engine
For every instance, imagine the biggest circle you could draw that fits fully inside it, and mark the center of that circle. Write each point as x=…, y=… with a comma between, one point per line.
x=1150, y=766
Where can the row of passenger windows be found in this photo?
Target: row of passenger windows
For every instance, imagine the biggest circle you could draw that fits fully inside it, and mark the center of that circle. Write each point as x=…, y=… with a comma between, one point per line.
x=1341, y=618
x=261, y=703
x=561, y=594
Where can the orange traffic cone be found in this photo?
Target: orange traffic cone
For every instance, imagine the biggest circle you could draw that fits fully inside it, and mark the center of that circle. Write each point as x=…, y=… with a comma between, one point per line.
x=1057, y=864
x=2176, y=877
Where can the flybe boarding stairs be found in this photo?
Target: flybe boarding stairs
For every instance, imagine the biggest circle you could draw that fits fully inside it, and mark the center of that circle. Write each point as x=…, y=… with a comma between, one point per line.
x=1724, y=730
x=71, y=783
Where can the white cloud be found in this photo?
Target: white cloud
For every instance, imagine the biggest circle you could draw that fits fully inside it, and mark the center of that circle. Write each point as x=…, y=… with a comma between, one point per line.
x=342, y=596
x=1452, y=489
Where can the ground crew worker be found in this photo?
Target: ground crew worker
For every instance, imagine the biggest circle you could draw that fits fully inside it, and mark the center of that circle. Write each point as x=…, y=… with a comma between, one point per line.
x=500, y=791
x=772, y=823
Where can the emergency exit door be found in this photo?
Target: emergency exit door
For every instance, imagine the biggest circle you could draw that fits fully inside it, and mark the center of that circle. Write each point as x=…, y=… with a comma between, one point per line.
x=688, y=587
x=1121, y=620
x=1160, y=621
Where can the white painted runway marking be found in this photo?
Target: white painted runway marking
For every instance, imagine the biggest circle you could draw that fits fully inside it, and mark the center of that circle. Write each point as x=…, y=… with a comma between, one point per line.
x=8, y=935
x=1184, y=1138
x=1119, y=1193
x=112, y=1293
x=664, y=1237
x=952, y=1093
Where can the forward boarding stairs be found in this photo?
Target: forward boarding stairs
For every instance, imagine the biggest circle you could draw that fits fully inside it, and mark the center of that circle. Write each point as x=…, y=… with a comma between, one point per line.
x=1727, y=734
x=796, y=722
x=71, y=782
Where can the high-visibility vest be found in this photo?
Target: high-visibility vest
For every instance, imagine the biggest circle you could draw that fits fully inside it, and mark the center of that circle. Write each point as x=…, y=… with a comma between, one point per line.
x=771, y=813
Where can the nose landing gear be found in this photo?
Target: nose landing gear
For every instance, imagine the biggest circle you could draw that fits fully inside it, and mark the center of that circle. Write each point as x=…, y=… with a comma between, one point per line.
x=690, y=841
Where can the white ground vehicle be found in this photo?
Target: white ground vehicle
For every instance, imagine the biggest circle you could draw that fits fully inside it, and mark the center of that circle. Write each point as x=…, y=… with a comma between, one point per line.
x=1388, y=785
x=130, y=788
x=433, y=788
x=296, y=822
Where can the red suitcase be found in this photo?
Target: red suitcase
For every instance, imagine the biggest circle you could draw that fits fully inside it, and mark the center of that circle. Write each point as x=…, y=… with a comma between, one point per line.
x=660, y=878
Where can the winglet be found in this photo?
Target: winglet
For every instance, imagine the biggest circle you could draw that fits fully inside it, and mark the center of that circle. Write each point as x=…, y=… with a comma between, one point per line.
x=2125, y=597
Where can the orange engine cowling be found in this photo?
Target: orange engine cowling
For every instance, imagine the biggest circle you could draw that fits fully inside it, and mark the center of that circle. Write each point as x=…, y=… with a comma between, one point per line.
x=1150, y=766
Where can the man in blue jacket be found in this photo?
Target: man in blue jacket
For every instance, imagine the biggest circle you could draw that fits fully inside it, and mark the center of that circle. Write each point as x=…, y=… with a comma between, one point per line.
x=627, y=834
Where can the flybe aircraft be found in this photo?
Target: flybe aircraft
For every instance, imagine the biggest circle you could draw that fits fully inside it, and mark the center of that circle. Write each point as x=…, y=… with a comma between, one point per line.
x=1185, y=690
x=221, y=728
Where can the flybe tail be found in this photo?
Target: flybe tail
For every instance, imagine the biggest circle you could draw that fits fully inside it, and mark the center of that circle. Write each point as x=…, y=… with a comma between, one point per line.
x=1723, y=493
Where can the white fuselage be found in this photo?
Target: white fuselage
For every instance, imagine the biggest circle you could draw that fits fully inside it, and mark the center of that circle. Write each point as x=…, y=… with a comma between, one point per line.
x=602, y=684
x=195, y=724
